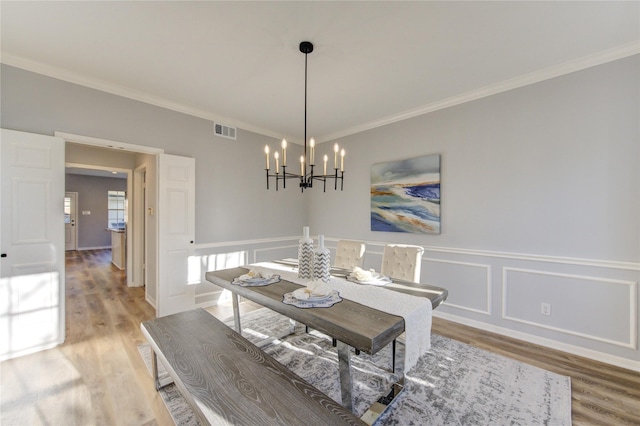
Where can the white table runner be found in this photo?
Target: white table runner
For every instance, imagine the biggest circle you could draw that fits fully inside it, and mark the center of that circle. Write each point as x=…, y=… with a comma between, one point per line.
x=415, y=310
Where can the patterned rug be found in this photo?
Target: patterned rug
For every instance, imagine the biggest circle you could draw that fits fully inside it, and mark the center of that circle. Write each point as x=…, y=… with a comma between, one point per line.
x=453, y=384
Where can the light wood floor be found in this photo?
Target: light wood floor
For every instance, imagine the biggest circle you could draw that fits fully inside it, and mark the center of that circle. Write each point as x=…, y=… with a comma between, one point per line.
x=97, y=376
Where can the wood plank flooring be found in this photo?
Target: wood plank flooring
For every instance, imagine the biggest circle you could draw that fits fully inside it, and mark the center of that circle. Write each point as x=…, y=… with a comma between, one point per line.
x=98, y=378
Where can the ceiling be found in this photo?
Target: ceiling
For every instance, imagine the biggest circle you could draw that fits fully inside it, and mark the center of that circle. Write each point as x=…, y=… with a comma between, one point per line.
x=238, y=63
x=95, y=172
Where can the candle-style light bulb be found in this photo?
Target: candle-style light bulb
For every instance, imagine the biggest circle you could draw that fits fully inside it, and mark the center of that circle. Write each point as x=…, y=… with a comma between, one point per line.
x=312, y=144
x=336, y=148
x=276, y=155
x=326, y=158
x=302, y=165
x=284, y=152
x=342, y=160
x=266, y=153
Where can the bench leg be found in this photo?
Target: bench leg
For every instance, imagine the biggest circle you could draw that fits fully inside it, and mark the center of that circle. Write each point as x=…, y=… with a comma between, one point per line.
x=344, y=365
x=236, y=313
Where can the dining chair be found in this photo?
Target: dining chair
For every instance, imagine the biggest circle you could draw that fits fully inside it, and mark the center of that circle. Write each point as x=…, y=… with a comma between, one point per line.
x=402, y=262
x=349, y=254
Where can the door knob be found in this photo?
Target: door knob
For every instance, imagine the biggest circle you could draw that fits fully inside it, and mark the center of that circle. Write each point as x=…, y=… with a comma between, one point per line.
x=3, y=255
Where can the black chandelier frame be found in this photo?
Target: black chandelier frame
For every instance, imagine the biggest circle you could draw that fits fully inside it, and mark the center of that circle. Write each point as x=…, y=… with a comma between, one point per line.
x=306, y=179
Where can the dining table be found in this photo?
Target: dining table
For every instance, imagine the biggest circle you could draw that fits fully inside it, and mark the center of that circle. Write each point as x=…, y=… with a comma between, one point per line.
x=351, y=323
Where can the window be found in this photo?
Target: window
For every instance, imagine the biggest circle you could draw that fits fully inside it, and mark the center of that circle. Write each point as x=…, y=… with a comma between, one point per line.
x=67, y=210
x=116, y=206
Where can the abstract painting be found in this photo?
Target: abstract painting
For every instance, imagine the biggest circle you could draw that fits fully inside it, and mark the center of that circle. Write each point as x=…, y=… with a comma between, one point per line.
x=405, y=195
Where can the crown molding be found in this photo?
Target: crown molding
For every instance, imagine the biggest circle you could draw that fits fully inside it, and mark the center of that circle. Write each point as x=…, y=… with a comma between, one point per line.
x=568, y=67
x=127, y=92
x=609, y=55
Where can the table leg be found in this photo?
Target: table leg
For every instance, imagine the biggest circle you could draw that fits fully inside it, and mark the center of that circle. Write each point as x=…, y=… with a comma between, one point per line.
x=393, y=356
x=344, y=365
x=154, y=368
x=236, y=312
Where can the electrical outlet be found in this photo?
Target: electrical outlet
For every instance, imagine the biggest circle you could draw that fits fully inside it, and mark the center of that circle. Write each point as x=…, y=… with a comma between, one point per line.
x=545, y=309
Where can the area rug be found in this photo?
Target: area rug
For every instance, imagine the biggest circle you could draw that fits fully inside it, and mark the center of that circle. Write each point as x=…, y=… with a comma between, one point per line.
x=452, y=384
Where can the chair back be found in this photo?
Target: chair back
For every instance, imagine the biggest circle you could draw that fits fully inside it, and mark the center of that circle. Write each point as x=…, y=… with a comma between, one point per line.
x=402, y=262
x=349, y=254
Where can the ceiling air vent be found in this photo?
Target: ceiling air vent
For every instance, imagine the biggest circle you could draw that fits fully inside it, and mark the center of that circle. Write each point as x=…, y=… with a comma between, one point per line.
x=224, y=131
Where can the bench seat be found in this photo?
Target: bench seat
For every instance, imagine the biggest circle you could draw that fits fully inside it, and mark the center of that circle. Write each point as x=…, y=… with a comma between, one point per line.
x=227, y=380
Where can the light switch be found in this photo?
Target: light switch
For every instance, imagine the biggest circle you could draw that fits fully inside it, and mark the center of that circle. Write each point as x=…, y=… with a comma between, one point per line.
x=86, y=212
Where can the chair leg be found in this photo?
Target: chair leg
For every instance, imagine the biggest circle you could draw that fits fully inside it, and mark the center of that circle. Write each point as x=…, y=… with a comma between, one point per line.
x=334, y=342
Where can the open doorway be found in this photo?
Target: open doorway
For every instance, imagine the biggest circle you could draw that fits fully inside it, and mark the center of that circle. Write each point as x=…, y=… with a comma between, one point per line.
x=102, y=210
x=140, y=165
x=70, y=219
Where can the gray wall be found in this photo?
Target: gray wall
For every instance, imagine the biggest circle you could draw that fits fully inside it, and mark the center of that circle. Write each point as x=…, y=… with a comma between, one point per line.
x=540, y=203
x=550, y=168
x=540, y=196
x=92, y=196
x=231, y=199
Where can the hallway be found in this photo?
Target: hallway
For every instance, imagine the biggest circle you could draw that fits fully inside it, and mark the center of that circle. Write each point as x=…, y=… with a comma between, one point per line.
x=97, y=376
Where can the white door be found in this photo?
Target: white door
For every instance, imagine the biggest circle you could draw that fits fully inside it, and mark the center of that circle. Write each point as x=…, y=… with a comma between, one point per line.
x=32, y=243
x=176, y=226
x=70, y=223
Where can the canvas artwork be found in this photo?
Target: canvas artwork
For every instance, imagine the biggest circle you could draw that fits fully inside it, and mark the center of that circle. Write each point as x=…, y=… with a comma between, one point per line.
x=405, y=195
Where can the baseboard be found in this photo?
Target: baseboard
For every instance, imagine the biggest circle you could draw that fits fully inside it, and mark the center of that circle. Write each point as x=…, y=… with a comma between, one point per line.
x=549, y=343
x=150, y=301
x=93, y=248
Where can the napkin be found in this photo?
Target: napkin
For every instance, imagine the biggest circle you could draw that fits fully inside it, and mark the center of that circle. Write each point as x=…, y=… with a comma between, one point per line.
x=362, y=275
x=254, y=274
x=313, y=289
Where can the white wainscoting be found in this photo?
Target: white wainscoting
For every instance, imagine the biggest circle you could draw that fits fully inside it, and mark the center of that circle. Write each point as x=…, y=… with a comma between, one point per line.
x=469, y=284
x=594, y=303
x=212, y=257
x=608, y=312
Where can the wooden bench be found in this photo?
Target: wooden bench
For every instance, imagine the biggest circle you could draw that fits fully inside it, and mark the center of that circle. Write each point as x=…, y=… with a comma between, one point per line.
x=228, y=380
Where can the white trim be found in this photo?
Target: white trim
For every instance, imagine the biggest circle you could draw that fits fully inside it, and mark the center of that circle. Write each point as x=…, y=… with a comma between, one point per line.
x=599, y=58
x=105, y=143
x=633, y=317
x=137, y=216
x=597, y=263
x=549, y=343
x=592, y=60
x=94, y=248
x=255, y=251
x=489, y=307
x=149, y=300
x=243, y=242
x=127, y=92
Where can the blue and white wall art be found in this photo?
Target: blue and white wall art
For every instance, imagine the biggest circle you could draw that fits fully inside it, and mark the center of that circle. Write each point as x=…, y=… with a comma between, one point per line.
x=405, y=195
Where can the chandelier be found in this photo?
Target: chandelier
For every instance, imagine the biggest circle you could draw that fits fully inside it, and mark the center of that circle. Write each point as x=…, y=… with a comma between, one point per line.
x=308, y=173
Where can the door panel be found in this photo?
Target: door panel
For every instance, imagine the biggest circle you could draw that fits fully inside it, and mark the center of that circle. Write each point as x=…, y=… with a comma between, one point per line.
x=32, y=243
x=176, y=223
x=70, y=224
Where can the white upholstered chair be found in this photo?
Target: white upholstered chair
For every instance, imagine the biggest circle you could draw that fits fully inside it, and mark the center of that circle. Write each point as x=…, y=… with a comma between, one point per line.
x=349, y=254
x=402, y=262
